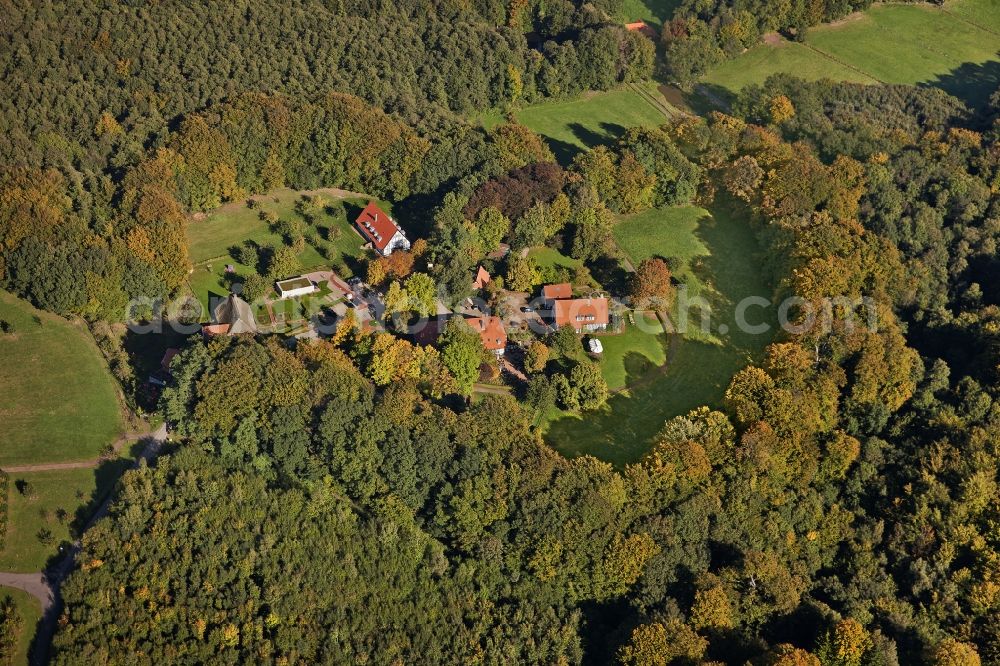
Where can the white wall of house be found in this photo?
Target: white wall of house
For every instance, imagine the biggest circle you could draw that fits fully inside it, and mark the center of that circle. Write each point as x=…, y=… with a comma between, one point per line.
x=299, y=291
x=397, y=242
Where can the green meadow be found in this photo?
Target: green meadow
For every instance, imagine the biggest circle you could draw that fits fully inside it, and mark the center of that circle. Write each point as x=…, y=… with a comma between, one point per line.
x=954, y=47
x=570, y=126
x=59, y=499
x=653, y=12
x=60, y=403
x=713, y=256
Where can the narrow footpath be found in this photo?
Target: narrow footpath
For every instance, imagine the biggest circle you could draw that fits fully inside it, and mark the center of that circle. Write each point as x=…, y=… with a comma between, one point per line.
x=44, y=585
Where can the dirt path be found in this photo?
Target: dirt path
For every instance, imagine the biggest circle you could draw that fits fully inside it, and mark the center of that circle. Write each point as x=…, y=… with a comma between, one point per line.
x=34, y=584
x=75, y=464
x=44, y=585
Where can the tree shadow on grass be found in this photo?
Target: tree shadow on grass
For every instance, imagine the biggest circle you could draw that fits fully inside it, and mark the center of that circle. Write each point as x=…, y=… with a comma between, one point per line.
x=613, y=131
x=586, y=135
x=971, y=82
x=622, y=431
x=608, y=273
x=564, y=151
x=706, y=97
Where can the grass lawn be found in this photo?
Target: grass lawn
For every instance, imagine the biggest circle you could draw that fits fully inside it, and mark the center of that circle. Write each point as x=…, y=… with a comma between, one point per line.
x=71, y=490
x=547, y=257
x=669, y=233
x=954, y=48
x=763, y=60
x=573, y=125
x=653, y=12
x=984, y=13
x=715, y=254
x=30, y=612
x=59, y=401
x=210, y=239
x=234, y=223
x=639, y=349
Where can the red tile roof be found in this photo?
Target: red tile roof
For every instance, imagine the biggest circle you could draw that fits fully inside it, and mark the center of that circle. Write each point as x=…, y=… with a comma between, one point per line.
x=376, y=225
x=643, y=27
x=551, y=292
x=482, y=278
x=214, y=329
x=491, y=331
x=581, y=312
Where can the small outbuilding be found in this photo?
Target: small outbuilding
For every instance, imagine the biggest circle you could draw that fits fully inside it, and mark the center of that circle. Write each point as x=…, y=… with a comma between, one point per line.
x=296, y=286
x=482, y=279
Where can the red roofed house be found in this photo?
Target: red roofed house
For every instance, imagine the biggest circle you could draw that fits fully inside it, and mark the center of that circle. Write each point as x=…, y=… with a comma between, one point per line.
x=583, y=314
x=641, y=27
x=482, y=279
x=554, y=292
x=380, y=230
x=491, y=332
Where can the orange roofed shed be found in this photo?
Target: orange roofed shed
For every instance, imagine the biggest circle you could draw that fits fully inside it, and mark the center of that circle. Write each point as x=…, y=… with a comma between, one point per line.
x=554, y=292
x=482, y=278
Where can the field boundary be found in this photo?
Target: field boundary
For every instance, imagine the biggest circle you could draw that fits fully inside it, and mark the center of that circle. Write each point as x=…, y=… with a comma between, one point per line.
x=833, y=58
x=663, y=106
x=967, y=20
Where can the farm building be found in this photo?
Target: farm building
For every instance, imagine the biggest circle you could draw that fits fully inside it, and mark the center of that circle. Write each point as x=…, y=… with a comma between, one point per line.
x=491, y=332
x=296, y=286
x=583, y=314
x=231, y=317
x=381, y=230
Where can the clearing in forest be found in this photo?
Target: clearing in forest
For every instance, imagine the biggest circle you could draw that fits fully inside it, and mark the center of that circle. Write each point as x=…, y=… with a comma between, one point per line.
x=571, y=126
x=954, y=48
x=715, y=254
x=60, y=402
x=331, y=239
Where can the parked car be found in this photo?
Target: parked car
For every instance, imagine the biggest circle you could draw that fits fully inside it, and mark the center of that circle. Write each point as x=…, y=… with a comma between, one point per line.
x=527, y=309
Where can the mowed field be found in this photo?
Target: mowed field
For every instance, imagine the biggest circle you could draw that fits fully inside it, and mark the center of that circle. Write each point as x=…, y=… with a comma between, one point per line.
x=59, y=402
x=955, y=47
x=571, y=126
x=639, y=349
x=59, y=498
x=714, y=254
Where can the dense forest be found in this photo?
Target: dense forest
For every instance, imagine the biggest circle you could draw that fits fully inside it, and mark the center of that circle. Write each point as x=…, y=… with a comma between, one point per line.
x=345, y=500
x=305, y=94
x=839, y=510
